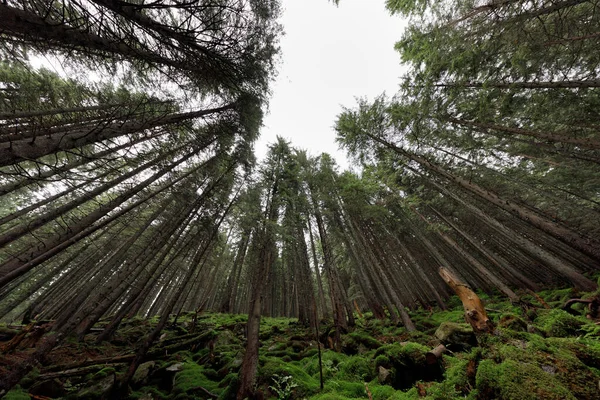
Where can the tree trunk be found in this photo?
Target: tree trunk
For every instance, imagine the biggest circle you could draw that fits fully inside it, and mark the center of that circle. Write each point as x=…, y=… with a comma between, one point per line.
x=586, y=245
x=84, y=227
x=475, y=313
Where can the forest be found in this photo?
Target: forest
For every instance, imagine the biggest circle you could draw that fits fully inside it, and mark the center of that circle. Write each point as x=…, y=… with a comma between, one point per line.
x=146, y=253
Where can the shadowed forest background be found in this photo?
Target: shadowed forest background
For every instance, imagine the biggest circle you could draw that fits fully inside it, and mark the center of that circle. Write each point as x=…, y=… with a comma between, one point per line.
x=138, y=232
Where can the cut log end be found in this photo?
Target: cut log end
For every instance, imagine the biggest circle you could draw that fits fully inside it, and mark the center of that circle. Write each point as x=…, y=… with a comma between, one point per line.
x=432, y=357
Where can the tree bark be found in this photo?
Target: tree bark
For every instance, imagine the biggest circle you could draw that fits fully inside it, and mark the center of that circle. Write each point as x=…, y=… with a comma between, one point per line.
x=475, y=313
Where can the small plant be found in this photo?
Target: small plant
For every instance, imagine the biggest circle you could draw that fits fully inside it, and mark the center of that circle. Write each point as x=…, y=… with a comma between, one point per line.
x=283, y=386
x=329, y=368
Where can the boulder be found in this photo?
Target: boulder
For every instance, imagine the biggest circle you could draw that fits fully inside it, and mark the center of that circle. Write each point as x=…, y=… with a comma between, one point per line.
x=175, y=367
x=99, y=389
x=52, y=388
x=140, y=378
x=383, y=376
x=226, y=338
x=164, y=377
x=456, y=337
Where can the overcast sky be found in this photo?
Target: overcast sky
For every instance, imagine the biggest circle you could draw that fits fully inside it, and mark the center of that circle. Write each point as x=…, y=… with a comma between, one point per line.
x=331, y=55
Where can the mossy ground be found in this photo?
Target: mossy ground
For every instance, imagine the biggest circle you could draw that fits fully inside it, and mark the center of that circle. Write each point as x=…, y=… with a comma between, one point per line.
x=535, y=353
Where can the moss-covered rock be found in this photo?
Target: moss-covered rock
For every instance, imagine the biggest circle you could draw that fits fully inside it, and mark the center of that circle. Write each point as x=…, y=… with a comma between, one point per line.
x=357, y=368
x=359, y=342
x=407, y=364
x=559, y=323
x=513, y=380
x=142, y=373
x=193, y=376
x=97, y=389
x=511, y=321
x=455, y=336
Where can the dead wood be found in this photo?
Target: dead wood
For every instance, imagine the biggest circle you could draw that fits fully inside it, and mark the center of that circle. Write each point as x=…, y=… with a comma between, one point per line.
x=156, y=352
x=124, y=358
x=538, y=298
x=39, y=397
x=189, y=343
x=432, y=356
x=205, y=391
x=369, y=394
x=7, y=333
x=71, y=372
x=16, y=340
x=475, y=313
x=593, y=306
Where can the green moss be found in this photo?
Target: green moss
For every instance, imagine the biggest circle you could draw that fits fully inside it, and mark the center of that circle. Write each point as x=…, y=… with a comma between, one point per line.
x=518, y=381
x=456, y=374
x=231, y=385
x=104, y=372
x=559, y=323
x=272, y=366
x=513, y=322
x=146, y=392
x=397, y=353
x=331, y=364
x=576, y=366
x=269, y=327
x=586, y=350
x=457, y=316
x=363, y=338
x=16, y=394
x=201, y=354
x=382, y=360
x=346, y=388
x=356, y=368
x=308, y=353
x=30, y=378
x=391, y=331
x=191, y=376
x=381, y=392
x=557, y=296
x=442, y=391
x=330, y=396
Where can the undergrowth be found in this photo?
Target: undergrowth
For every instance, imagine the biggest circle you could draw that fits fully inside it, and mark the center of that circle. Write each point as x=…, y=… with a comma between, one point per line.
x=535, y=353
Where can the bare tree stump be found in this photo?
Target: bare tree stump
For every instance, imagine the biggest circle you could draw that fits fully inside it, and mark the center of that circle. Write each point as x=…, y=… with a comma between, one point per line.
x=475, y=313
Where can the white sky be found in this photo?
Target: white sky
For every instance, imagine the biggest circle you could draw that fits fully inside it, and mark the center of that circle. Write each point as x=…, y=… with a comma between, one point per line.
x=330, y=56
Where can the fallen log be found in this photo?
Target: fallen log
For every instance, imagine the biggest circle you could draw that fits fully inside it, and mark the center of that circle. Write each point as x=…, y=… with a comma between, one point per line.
x=16, y=340
x=475, y=313
x=124, y=358
x=432, y=356
x=189, y=343
x=156, y=352
x=203, y=390
x=71, y=372
x=7, y=333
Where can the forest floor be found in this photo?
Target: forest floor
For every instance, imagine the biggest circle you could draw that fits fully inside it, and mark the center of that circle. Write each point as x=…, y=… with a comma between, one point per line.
x=536, y=352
